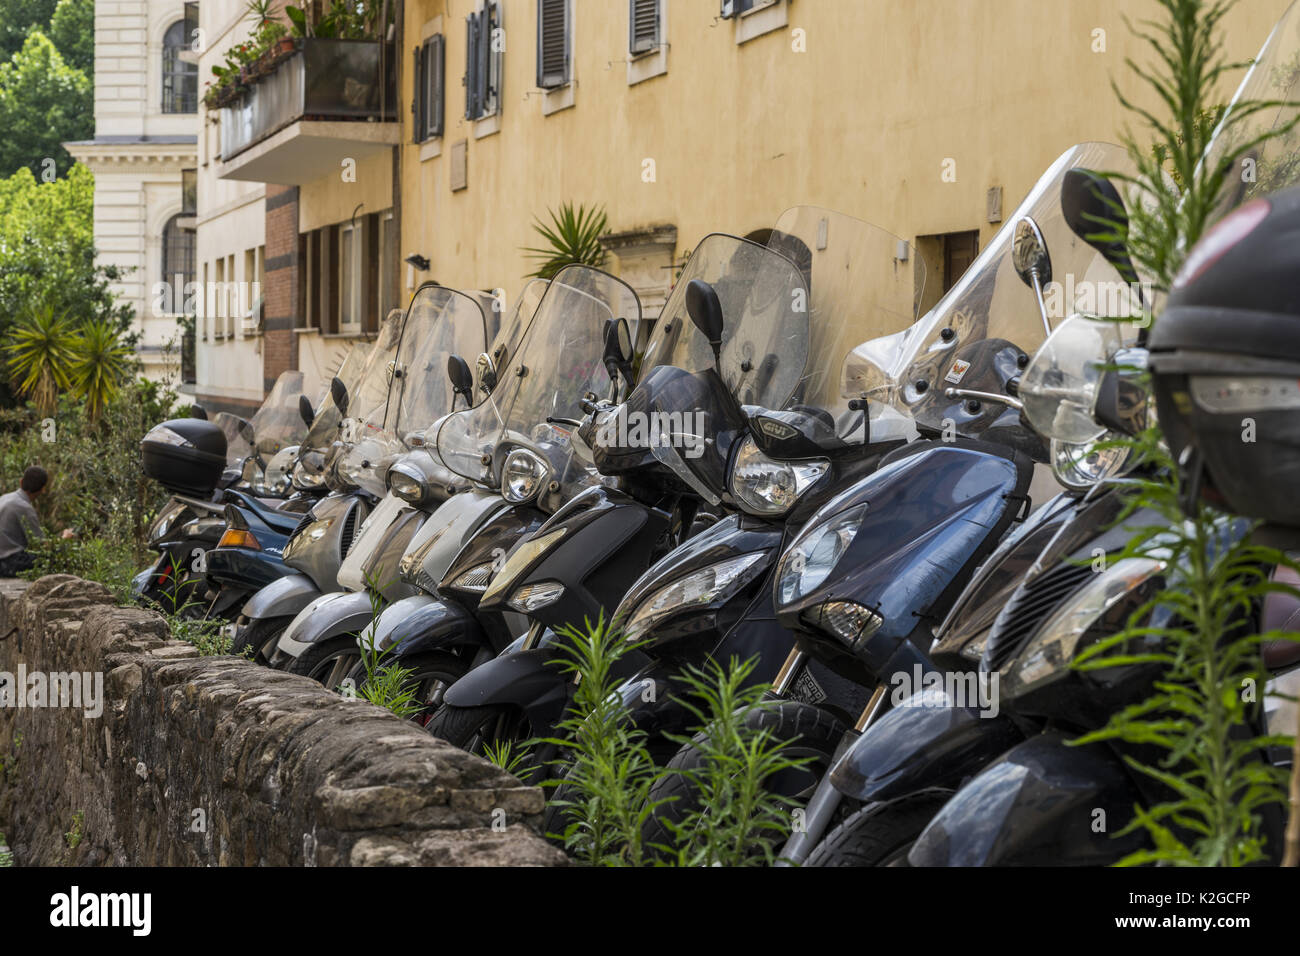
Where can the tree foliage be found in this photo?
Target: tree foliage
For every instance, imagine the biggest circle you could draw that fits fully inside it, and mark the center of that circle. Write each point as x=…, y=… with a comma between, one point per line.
x=43, y=103
x=47, y=256
x=72, y=28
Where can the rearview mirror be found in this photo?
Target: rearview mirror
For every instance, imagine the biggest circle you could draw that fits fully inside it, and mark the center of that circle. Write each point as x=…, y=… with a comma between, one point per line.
x=487, y=373
x=462, y=379
x=1093, y=208
x=1029, y=254
x=339, y=392
x=618, y=349
x=705, y=310
x=305, y=411
x=198, y=411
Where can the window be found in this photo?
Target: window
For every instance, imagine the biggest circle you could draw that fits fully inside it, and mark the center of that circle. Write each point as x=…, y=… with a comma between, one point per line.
x=177, y=256
x=351, y=243
x=180, y=80
x=189, y=191
x=959, y=251
x=643, y=26
x=483, y=48
x=553, y=53
x=429, y=89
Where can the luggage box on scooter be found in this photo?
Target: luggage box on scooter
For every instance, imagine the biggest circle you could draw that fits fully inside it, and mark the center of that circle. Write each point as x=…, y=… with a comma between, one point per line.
x=185, y=455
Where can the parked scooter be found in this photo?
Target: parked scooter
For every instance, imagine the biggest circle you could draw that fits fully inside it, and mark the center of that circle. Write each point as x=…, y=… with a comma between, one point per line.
x=320, y=640
x=193, y=458
x=594, y=536
x=756, y=431
x=478, y=514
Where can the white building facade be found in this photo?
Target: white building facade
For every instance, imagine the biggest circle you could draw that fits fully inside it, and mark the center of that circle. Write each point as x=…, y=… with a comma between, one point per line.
x=144, y=160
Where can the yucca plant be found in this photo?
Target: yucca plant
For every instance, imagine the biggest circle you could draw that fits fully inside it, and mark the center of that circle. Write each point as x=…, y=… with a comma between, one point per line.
x=41, y=354
x=101, y=363
x=573, y=236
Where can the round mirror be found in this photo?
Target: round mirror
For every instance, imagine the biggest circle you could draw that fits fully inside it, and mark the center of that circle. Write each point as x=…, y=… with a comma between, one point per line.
x=1029, y=253
x=486, y=371
x=1059, y=386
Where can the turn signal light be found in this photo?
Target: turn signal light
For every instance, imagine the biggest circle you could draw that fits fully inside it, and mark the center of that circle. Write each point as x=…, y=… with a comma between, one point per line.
x=236, y=538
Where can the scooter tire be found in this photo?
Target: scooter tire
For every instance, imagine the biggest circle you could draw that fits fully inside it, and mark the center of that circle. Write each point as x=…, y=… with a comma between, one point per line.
x=324, y=659
x=253, y=635
x=880, y=834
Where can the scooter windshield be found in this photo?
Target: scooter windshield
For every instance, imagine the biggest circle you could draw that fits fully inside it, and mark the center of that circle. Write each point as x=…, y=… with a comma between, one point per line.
x=980, y=334
x=539, y=394
x=764, y=297
x=440, y=322
x=278, y=423
x=325, y=425
x=1275, y=163
x=863, y=284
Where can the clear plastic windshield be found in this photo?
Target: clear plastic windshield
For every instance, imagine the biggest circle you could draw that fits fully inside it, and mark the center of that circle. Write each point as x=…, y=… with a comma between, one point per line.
x=368, y=403
x=858, y=289
x=440, y=322
x=1275, y=163
x=980, y=332
x=764, y=297
x=237, y=447
x=325, y=425
x=558, y=361
x=278, y=423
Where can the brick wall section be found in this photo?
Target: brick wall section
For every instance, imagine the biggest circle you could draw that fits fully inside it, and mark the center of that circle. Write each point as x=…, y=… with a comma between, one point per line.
x=283, y=771
x=280, y=314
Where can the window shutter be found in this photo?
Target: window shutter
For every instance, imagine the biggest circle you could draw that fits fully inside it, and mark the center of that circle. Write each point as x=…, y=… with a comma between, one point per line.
x=435, y=70
x=418, y=101
x=552, y=43
x=485, y=104
x=643, y=26
x=471, y=67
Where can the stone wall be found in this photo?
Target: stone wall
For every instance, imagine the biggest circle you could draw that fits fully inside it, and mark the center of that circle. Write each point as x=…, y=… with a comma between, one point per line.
x=216, y=761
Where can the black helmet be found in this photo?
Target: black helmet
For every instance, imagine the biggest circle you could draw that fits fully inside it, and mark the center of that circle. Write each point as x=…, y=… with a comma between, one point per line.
x=1225, y=357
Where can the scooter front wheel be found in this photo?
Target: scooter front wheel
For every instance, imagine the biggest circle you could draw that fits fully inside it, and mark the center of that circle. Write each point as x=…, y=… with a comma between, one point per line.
x=495, y=732
x=880, y=834
x=328, y=662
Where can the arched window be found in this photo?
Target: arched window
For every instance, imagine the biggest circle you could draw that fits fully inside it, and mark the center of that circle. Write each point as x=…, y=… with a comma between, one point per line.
x=180, y=80
x=177, y=256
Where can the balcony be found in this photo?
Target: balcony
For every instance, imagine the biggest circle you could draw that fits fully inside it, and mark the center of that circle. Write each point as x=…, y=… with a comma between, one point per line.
x=323, y=104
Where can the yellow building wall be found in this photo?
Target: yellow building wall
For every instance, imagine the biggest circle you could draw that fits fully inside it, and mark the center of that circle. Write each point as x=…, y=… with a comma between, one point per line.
x=864, y=119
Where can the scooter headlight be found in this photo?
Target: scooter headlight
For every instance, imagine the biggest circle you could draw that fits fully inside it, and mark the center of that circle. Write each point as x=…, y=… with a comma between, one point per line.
x=709, y=585
x=309, y=473
x=1049, y=652
x=276, y=480
x=766, y=486
x=814, y=554
x=522, y=476
x=408, y=484
x=1080, y=466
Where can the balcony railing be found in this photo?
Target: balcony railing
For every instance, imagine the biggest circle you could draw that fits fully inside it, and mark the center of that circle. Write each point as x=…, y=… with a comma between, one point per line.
x=324, y=80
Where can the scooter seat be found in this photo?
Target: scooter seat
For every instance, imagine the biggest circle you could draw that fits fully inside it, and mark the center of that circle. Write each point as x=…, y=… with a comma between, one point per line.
x=1281, y=612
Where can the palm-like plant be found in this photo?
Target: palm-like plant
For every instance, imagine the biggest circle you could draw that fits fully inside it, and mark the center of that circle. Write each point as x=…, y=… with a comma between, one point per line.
x=573, y=236
x=41, y=353
x=100, y=365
